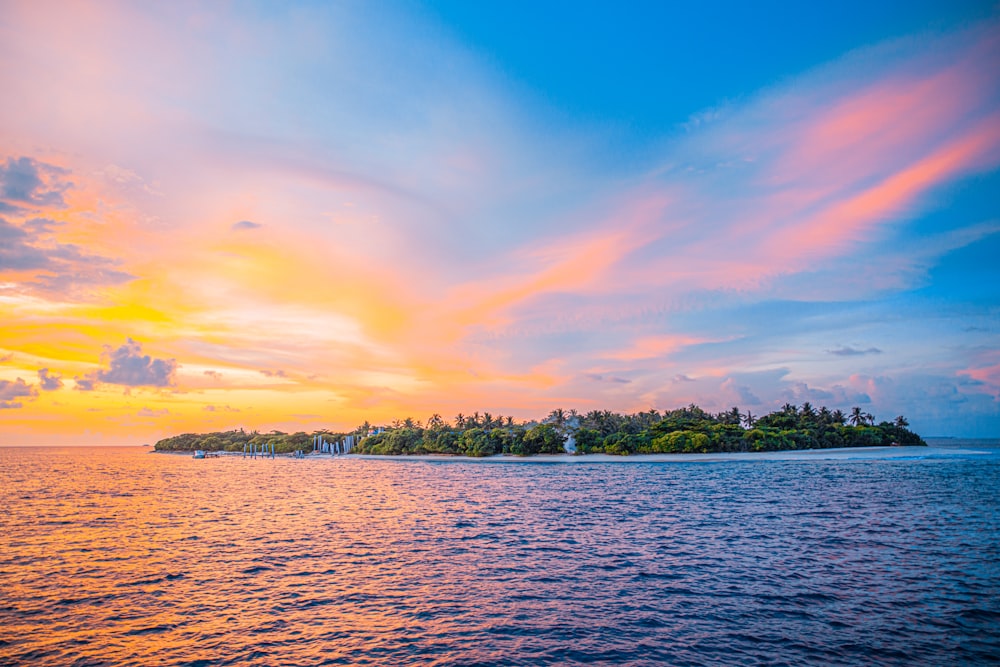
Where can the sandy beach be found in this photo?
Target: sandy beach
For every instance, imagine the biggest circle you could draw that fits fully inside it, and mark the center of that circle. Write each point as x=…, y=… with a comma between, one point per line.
x=844, y=454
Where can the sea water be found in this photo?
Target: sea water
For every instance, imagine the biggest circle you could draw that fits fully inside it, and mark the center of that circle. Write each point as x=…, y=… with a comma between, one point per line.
x=118, y=556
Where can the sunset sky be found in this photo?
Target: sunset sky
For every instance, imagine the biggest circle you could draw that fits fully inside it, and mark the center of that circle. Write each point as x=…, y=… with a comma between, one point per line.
x=302, y=215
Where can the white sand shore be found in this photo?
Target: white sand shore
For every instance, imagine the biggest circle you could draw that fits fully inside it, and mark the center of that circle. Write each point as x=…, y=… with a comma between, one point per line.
x=847, y=453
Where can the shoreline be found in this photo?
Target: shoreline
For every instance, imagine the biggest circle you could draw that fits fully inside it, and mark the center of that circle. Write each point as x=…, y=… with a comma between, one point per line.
x=839, y=453
x=834, y=454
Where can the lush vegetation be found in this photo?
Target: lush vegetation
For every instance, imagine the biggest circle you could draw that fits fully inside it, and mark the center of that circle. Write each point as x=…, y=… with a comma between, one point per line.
x=685, y=430
x=692, y=430
x=234, y=441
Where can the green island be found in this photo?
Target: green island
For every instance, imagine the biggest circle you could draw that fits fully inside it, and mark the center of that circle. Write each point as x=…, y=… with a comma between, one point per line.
x=686, y=430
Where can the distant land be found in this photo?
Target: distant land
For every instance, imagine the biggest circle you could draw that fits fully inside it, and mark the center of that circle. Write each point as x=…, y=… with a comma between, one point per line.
x=688, y=430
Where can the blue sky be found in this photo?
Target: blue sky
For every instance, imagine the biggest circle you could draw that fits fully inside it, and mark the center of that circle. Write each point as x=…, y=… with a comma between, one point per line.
x=646, y=67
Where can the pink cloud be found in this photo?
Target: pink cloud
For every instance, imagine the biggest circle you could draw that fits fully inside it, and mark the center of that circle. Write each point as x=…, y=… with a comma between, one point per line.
x=848, y=219
x=804, y=176
x=649, y=347
x=986, y=369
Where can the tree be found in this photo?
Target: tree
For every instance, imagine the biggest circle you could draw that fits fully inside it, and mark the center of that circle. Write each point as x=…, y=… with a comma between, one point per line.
x=749, y=419
x=901, y=422
x=732, y=417
x=857, y=417
x=588, y=441
x=476, y=442
x=544, y=439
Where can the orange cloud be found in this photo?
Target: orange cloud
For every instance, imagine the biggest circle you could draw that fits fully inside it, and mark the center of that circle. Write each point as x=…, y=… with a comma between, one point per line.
x=580, y=263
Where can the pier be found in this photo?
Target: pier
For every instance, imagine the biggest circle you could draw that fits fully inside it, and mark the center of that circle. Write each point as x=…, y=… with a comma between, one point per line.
x=264, y=450
x=342, y=445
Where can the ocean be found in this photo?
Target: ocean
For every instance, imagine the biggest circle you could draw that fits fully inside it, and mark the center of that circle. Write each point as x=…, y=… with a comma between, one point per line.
x=118, y=556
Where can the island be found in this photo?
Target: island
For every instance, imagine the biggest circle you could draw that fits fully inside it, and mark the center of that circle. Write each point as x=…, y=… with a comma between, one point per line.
x=687, y=430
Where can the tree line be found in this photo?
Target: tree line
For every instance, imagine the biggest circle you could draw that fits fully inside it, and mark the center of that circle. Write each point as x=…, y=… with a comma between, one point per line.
x=683, y=430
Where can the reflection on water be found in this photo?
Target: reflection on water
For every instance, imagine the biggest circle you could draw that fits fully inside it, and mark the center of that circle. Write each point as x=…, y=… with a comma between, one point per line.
x=116, y=556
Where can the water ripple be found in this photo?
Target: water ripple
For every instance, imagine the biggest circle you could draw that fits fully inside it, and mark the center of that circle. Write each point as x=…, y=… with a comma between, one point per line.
x=113, y=556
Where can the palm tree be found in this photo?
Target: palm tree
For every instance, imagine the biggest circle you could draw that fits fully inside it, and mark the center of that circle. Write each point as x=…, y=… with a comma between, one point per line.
x=460, y=421
x=857, y=417
x=901, y=422
x=732, y=417
x=838, y=417
x=824, y=415
x=558, y=416
x=749, y=419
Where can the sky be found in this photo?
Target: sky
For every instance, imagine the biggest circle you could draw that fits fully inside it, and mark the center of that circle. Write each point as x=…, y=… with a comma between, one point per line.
x=307, y=215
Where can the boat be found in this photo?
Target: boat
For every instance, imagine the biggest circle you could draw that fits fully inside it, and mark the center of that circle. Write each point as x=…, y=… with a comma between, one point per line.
x=199, y=453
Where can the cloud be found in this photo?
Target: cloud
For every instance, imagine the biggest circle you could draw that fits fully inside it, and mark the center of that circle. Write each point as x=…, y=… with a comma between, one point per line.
x=742, y=394
x=146, y=412
x=985, y=370
x=801, y=392
x=41, y=226
x=125, y=178
x=49, y=382
x=7, y=357
x=64, y=269
x=215, y=375
x=16, y=251
x=220, y=408
x=129, y=367
x=655, y=346
x=9, y=391
x=85, y=383
x=848, y=351
x=11, y=209
x=245, y=224
x=120, y=175
x=596, y=377
x=26, y=181
x=274, y=374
